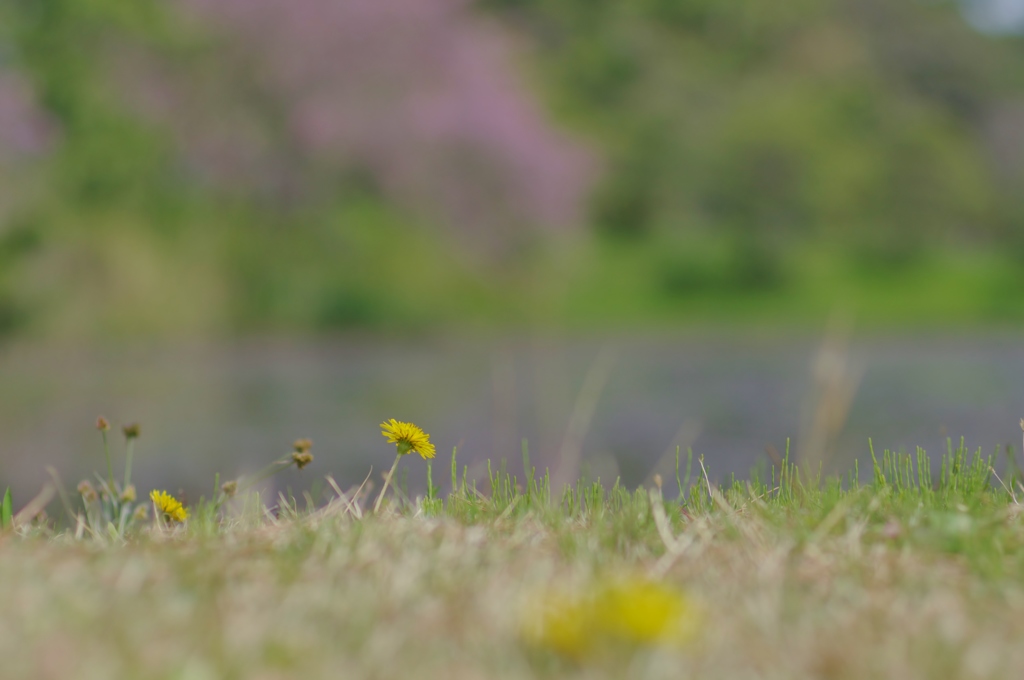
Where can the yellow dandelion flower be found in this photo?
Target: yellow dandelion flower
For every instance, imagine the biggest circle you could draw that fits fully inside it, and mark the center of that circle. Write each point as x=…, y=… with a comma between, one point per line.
x=407, y=438
x=643, y=612
x=169, y=506
x=627, y=613
x=557, y=621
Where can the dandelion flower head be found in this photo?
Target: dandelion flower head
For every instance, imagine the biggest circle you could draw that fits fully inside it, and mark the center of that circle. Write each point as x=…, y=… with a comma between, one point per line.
x=629, y=613
x=169, y=506
x=408, y=438
x=643, y=612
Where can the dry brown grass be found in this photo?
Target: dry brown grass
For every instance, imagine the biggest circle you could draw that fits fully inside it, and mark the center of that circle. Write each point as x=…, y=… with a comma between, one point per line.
x=866, y=587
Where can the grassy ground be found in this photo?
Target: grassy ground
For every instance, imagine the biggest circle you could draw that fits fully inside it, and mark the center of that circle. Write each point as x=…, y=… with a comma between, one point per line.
x=910, y=576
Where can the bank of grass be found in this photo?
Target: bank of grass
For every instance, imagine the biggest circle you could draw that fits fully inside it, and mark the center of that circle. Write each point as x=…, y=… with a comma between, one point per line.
x=673, y=284
x=917, y=573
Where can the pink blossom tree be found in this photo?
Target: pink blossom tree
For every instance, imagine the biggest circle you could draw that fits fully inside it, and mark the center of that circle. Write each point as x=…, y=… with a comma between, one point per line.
x=421, y=97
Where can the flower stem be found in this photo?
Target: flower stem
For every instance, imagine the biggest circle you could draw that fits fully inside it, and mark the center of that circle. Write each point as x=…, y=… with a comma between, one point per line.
x=266, y=473
x=387, y=480
x=128, y=463
x=110, y=467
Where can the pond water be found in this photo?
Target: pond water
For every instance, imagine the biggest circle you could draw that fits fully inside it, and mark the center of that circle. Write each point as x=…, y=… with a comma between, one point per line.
x=609, y=407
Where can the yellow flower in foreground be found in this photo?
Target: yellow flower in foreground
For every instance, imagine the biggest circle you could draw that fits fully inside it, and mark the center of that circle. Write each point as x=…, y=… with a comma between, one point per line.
x=169, y=506
x=408, y=438
x=627, y=613
x=643, y=612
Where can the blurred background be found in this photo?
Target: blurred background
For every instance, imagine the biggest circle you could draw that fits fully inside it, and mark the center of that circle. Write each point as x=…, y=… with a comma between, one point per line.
x=611, y=227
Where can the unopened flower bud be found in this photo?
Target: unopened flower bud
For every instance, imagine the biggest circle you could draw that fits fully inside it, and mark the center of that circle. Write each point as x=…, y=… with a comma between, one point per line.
x=302, y=458
x=87, y=491
x=229, y=489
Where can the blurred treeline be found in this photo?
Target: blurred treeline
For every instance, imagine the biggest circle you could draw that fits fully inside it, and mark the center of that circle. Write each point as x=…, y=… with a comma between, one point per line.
x=235, y=165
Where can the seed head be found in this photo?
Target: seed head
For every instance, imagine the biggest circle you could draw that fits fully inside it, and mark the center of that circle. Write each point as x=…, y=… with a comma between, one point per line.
x=302, y=458
x=87, y=491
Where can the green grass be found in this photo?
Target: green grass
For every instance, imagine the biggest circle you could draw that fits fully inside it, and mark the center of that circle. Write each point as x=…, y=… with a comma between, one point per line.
x=667, y=283
x=916, y=573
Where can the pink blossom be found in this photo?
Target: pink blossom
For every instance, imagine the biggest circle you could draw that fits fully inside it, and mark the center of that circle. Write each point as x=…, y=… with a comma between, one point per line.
x=419, y=94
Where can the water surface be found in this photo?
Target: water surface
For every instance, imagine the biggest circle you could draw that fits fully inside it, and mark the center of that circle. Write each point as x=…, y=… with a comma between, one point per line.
x=623, y=404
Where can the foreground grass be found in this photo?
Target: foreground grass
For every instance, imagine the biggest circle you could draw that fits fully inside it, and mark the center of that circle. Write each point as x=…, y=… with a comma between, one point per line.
x=905, y=577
